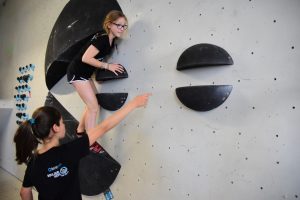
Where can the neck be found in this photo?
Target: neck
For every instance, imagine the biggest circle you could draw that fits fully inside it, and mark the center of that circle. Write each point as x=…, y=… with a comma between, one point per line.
x=48, y=144
x=111, y=37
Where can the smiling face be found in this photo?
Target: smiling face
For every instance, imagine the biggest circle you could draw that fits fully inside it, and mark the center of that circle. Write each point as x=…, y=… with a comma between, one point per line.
x=115, y=23
x=117, y=27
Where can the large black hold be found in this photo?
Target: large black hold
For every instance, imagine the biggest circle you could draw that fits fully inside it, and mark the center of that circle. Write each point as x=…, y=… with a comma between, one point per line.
x=97, y=171
x=106, y=75
x=203, y=55
x=111, y=101
x=76, y=24
x=203, y=98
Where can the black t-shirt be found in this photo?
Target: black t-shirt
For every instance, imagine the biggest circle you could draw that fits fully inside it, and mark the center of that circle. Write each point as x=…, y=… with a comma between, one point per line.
x=80, y=69
x=55, y=173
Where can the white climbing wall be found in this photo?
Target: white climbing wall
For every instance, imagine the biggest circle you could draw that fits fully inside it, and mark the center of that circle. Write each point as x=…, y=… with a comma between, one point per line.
x=245, y=149
x=248, y=148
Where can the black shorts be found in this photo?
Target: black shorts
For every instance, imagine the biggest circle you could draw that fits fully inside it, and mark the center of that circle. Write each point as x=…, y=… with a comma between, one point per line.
x=79, y=72
x=77, y=78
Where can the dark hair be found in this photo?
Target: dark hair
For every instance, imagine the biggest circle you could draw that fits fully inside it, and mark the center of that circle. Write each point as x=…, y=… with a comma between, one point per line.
x=31, y=132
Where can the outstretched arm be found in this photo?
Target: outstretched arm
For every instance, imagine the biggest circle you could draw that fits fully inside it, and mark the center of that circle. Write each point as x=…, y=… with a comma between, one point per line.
x=117, y=117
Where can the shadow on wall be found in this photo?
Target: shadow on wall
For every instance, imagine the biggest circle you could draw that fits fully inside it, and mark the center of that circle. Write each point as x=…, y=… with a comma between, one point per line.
x=5, y=116
x=62, y=87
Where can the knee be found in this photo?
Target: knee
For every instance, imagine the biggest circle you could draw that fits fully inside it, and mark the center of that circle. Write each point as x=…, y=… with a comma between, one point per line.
x=93, y=108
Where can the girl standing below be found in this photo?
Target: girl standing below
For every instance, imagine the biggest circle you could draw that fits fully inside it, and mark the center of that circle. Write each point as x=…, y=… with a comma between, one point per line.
x=52, y=168
x=90, y=57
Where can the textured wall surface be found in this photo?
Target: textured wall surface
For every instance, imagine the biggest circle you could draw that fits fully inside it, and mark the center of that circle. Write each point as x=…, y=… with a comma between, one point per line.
x=248, y=148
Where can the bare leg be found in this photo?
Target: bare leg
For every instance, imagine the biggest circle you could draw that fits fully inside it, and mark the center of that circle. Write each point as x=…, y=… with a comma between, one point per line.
x=86, y=90
x=81, y=126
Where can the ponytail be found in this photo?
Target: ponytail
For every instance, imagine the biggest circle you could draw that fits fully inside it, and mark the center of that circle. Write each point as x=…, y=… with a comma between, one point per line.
x=26, y=142
x=30, y=133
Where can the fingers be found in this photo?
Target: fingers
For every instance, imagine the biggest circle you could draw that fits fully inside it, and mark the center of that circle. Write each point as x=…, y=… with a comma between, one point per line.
x=115, y=73
x=143, y=99
x=147, y=95
x=116, y=68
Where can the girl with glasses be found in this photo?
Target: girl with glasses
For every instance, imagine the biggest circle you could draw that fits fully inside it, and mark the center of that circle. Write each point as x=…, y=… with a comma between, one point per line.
x=90, y=58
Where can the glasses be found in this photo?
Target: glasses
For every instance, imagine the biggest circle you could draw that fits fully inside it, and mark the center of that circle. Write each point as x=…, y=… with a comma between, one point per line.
x=120, y=26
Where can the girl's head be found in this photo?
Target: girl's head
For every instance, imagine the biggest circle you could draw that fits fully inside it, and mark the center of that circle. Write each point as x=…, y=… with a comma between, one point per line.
x=115, y=22
x=40, y=127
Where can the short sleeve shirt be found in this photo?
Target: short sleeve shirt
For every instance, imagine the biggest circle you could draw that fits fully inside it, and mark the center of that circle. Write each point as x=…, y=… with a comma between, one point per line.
x=55, y=173
x=80, y=69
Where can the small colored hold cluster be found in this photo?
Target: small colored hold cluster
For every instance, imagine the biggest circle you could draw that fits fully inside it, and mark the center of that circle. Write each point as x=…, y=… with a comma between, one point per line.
x=23, y=92
x=25, y=78
x=108, y=194
x=27, y=68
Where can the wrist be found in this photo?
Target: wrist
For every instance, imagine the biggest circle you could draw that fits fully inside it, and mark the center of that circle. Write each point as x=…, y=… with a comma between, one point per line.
x=132, y=105
x=105, y=65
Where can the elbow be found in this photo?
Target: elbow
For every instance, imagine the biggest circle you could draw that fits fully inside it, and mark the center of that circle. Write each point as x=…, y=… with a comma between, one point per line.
x=84, y=59
x=97, y=132
x=23, y=195
x=26, y=193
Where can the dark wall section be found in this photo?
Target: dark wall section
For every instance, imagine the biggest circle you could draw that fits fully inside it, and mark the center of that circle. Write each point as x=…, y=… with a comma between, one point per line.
x=70, y=122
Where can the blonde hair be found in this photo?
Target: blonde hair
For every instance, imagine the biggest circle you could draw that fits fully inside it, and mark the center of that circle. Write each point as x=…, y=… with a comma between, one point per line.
x=111, y=17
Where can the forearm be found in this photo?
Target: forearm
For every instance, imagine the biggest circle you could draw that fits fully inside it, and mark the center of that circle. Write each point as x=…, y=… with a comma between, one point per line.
x=95, y=63
x=110, y=122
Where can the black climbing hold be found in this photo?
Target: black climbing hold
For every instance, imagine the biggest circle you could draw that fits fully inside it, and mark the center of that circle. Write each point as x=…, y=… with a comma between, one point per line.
x=111, y=101
x=97, y=171
x=203, y=55
x=76, y=24
x=105, y=75
x=203, y=98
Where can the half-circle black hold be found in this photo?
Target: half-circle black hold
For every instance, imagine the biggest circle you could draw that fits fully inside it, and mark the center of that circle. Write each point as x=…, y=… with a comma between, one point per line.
x=111, y=101
x=97, y=171
x=203, y=55
x=105, y=75
x=203, y=98
x=76, y=24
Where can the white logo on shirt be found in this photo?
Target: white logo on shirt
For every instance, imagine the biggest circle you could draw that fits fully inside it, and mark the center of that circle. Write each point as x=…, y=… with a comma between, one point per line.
x=57, y=171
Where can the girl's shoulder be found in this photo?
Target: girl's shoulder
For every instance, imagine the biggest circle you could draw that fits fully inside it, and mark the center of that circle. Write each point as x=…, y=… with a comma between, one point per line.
x=99, y=35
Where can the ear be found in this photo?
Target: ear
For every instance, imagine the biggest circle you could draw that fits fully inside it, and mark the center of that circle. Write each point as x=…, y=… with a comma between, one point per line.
x=109, y=25
x=55, y=128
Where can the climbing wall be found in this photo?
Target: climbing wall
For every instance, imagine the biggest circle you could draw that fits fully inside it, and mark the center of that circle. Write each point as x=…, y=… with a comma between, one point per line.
x=246, y=148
